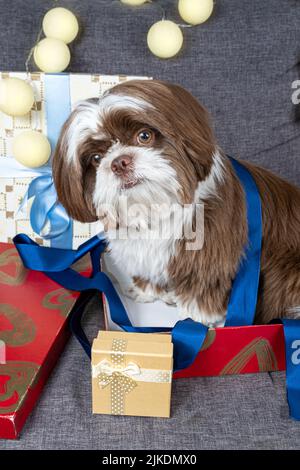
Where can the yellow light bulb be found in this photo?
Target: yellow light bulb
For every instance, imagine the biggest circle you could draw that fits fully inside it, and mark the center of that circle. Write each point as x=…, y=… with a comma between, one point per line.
x=134, y=2
x=51, y=55
x=165, y=39
x=16, y=96
x=195, y=11
x=60, y=23
x=31, y=149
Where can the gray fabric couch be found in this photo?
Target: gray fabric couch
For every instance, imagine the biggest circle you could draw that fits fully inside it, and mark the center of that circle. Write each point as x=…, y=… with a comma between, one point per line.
x=241, y=65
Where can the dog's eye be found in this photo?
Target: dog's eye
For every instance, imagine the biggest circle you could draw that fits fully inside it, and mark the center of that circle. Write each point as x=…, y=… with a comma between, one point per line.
x=145, y=136
x=96, y=159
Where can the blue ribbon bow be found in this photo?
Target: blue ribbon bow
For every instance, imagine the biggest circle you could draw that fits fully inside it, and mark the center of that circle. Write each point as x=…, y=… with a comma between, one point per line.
x=47, y=212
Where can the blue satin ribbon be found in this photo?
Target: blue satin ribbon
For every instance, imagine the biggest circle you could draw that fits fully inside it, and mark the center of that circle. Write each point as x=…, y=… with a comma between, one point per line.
x=45, y=210
x=243, y=297
x=58, y=104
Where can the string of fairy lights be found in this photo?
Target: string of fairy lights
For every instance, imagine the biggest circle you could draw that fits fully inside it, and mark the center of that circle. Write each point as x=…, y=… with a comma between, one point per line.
x=165, y=37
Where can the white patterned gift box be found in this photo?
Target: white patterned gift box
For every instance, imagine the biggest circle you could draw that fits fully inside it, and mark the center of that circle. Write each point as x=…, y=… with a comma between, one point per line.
x=14, y=178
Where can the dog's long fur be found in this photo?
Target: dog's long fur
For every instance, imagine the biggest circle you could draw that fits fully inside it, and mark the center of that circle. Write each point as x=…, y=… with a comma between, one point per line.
x=182, y=165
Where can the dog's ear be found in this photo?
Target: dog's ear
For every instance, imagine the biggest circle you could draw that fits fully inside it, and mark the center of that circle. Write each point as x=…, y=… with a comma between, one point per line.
x=194, y=129
x=69, y=177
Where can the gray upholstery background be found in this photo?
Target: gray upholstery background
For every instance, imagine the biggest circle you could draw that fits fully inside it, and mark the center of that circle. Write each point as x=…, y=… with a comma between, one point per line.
x=241, y=65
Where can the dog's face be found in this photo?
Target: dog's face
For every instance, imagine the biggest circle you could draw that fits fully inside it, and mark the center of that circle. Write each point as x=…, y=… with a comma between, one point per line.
x=147, y=140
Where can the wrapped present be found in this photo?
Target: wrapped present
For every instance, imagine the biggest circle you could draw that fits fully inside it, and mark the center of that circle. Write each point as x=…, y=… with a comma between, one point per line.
x=132, y=374
x=33, y=331
x=56, y=95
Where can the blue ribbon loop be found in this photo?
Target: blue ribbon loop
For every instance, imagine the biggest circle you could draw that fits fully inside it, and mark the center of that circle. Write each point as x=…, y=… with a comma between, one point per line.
x=46, y=212
x=187, y=335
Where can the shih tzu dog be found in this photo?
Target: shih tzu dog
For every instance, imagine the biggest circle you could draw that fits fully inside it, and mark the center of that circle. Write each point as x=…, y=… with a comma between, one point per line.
x=150, y=143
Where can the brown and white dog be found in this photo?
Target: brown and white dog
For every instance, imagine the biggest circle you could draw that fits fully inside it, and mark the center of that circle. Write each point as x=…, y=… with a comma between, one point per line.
x=152, y=142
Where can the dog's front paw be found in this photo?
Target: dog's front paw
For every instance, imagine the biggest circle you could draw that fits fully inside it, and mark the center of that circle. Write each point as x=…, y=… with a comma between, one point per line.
x=192, y=310
x=137, y=294
x=168, y=297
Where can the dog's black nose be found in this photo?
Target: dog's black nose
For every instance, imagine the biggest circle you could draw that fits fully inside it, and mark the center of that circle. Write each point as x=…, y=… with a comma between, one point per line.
x=121, y=164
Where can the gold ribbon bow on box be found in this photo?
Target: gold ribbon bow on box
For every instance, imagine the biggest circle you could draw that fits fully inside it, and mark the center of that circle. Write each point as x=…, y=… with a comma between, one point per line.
x=124, y=378
x=120, y=380
x=117, y=375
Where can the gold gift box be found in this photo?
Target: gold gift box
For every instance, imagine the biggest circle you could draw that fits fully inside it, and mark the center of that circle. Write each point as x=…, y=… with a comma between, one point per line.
x=132, y=374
